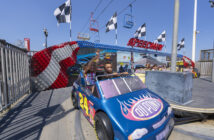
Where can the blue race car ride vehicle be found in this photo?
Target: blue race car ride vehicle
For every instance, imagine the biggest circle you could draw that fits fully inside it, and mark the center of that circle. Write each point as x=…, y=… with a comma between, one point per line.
x=122, y=108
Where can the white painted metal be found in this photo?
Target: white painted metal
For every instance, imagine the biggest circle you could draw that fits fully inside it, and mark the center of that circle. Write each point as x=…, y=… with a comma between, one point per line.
x=194, y=31
x=175, y=36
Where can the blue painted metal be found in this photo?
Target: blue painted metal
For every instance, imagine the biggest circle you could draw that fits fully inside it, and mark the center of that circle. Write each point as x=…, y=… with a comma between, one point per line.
x=122, y=126
x=128, y=19
x=86, y=44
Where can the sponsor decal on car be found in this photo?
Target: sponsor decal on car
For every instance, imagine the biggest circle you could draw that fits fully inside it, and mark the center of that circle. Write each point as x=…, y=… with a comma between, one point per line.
x=141, y=108
x=91, y=111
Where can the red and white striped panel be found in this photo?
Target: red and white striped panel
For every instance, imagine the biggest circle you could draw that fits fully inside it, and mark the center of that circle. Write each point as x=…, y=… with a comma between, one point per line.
x=48, y=67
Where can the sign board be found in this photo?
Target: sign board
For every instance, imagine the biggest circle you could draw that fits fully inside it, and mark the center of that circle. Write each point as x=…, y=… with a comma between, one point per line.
x=27, y=43
x=134, y=42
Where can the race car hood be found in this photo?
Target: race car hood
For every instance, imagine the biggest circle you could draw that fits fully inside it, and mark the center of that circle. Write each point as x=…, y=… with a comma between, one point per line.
x=136, y=110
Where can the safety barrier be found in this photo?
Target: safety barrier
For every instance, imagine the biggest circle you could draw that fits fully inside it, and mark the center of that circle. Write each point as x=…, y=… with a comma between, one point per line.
x=204, y=67
x=14, y=74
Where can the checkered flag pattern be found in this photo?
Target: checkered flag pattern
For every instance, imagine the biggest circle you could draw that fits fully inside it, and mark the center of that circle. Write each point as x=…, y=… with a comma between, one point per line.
x=155, y=41
x=180, y=44
x=212, y=3
x=63, y=12
x=112, y=23
x=162, y=37
x=141, y=31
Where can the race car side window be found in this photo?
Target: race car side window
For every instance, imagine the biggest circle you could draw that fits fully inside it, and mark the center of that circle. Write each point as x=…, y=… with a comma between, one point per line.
x=82, y=80
x=95, y=93
x=78, y=80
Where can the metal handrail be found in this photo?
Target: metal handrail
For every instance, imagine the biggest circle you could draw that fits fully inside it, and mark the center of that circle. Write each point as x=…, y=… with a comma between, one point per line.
x=15, y=74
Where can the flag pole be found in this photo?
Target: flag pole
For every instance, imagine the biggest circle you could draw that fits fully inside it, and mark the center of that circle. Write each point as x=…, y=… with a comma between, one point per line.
x=70, y=21
x=116, y=37
x=165, y=45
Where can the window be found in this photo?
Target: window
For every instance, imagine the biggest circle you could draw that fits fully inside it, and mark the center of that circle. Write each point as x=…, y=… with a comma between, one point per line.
x=121, y=85
x=95, y=93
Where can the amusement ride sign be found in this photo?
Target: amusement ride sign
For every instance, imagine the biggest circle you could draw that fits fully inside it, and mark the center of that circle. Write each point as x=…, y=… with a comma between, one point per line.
x=134, y=42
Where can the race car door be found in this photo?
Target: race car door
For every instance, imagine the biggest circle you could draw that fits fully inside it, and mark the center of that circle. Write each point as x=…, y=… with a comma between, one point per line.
x=86, y=102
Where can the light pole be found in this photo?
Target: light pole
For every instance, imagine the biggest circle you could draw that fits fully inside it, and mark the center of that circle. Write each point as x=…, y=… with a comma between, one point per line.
x=212, y=5
x=194, y=31
x=46, y=36
x=175, y=36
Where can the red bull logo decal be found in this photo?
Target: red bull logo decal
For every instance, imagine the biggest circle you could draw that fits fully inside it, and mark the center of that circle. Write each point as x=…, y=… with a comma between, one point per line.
x=141, y=108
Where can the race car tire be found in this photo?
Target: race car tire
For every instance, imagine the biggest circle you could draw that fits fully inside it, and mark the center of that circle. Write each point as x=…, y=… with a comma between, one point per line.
x=74, y=99
x=103, y=127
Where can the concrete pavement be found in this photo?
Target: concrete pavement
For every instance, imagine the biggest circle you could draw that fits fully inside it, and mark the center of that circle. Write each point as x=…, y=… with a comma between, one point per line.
x=49, y=115
x=28, y=118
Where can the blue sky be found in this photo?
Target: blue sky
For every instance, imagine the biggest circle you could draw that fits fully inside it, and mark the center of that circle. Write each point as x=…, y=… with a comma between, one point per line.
x=27, y=18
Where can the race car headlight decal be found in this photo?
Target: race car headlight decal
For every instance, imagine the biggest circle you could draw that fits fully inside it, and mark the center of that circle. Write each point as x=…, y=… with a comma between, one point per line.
x=158, y=124
x=169, y=111
x=138, y=133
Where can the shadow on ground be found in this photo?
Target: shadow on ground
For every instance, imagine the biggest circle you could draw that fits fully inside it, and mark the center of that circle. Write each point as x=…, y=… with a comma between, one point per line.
x=27, y=119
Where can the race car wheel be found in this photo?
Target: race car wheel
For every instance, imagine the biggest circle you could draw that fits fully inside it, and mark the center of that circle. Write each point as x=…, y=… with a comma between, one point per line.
x=74, y=99
x=103, y=127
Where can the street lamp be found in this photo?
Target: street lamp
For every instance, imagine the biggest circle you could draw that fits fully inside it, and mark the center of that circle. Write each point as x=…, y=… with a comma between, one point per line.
x=46, y=36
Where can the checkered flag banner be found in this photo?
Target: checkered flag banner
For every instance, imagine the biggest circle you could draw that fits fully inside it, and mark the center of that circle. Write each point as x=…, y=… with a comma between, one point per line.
x=62, y=13
x=162, y=37
x=180, y=44
x=212, y=3
x=112, y=23
x=141, y=31
x=155, y=41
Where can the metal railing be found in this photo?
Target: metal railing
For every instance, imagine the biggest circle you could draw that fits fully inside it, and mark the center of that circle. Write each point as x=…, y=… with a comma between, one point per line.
x=205, y=64
x=14, y=74
x=205, y=68
x=207, y=55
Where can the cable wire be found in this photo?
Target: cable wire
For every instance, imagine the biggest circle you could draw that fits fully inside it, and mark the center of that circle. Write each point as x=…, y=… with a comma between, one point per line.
x=104, y=9
x=119, y=13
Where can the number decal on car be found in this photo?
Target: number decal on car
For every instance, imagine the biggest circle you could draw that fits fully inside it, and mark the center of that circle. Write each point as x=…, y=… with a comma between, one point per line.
x=81, y=100
x=86, y=105
x=83, y=103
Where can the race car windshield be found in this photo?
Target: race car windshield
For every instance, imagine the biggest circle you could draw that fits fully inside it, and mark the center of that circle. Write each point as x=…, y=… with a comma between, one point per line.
x=121, y=85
